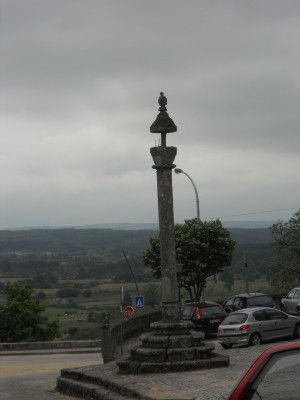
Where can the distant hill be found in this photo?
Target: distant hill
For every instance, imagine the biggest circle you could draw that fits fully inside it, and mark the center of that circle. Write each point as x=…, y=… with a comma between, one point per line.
x=75, y=240
x=36, y=250
x=129, y=226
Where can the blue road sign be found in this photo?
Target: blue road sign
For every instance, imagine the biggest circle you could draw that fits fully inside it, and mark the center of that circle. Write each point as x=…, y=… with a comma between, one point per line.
x=139, y=302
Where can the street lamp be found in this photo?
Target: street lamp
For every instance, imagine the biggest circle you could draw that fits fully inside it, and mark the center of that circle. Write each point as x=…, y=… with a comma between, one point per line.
x=180, y=171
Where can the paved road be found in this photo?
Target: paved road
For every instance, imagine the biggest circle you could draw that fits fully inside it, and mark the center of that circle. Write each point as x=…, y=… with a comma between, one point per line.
x=33, y=377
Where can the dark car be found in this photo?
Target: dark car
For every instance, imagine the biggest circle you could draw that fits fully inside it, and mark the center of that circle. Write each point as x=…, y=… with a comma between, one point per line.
x=291, y=302
x=248, y=300
x=206, y=316
x=274, y=374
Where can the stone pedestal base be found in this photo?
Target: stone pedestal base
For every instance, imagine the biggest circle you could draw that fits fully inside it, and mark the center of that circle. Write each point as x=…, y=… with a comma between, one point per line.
x=171, y=347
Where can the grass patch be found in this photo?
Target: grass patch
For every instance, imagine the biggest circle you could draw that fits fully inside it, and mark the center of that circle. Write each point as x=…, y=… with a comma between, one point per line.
x=106, y=297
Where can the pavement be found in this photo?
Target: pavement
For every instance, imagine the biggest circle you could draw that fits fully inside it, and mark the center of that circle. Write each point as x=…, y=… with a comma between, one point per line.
x=105, y=382
x=33, y=377
x=83, y=350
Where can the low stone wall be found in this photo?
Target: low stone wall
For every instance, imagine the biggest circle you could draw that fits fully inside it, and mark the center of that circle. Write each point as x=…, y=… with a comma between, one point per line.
x=72, y=344
x=131, y=327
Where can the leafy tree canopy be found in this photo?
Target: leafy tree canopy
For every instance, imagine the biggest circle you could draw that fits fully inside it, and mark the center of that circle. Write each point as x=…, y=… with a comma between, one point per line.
x=227, y=278
x=152, y=294
x=22, y=317
x=202, y=248
x=67, y=292
x=285, y=272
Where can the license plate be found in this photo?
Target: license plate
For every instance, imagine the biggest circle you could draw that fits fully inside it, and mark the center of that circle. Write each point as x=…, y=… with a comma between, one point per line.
x=213, y=321
x=228, y=330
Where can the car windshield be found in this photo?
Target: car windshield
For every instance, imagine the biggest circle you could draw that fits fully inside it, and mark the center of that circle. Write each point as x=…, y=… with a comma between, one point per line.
x=187, y=311
x=235, y=319
x=260, y=301
x=210, y=311
x=279, y=380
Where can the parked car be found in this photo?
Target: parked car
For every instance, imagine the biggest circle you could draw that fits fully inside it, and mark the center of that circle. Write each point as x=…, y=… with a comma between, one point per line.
x=245, y=300
x=274, y=374
x=251, y=326
x=206, y=316
x=291, y=302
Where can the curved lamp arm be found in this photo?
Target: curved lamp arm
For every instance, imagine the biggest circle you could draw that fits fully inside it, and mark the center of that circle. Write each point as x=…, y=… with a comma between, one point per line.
x=180, y=171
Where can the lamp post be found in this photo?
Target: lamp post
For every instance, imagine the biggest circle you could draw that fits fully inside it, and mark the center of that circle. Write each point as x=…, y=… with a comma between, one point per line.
x=180, y=171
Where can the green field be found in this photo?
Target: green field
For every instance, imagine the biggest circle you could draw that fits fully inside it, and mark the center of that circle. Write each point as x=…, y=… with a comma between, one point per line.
x=86, y=313
x=74, y=312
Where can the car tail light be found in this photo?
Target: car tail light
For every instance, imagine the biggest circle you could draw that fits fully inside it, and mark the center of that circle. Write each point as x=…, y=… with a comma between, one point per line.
x=244, y=327
x=197, y=313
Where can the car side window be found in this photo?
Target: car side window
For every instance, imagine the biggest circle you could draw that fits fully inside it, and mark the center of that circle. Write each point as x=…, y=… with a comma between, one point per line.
x=187, y=311
x=237, y=301
x=274, y=314
x=291, y=294
x=297, y=295
x=261, y=316
x=229, y=302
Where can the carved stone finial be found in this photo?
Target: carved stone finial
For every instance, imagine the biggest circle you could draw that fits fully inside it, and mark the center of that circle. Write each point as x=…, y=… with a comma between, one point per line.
x=163, y=123
x=162, y=101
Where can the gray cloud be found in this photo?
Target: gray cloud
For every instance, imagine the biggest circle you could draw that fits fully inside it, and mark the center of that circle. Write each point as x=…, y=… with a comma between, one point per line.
x=80, y=82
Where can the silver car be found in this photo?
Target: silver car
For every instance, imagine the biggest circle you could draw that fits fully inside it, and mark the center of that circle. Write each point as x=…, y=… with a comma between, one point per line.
x=291, y=302
x=252, y=326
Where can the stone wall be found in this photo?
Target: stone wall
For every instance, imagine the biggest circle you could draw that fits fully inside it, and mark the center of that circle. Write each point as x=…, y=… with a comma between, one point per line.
x=71, y=344
x=131, y=327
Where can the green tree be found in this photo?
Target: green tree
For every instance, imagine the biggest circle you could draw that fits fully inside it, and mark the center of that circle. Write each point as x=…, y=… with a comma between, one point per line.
x=152, y=294
x=227, y=278
x=44, y=280
x=202, y=248
x=22, y=317
x=41, y=295
x=285, y=272
x=67, y=292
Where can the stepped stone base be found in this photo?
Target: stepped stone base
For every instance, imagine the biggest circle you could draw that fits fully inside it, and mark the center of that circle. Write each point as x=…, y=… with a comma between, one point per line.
x=171, y=347
x=136, y=367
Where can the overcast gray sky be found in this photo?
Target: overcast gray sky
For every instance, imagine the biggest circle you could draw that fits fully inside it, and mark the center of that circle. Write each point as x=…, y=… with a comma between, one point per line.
x=80, y=81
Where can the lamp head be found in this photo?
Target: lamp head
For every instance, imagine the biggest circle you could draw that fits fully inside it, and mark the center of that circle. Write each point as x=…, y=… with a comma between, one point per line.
x=178, y=171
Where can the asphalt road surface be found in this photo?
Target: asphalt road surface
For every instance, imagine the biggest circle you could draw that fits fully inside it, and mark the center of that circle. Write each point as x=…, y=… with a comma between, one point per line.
x=33, y=377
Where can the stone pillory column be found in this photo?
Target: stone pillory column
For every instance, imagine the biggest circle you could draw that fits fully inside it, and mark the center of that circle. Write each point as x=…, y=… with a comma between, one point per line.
x=171, y=345
x=163, y=158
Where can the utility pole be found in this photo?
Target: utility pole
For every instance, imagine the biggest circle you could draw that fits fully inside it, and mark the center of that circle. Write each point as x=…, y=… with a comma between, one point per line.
x=246, y=273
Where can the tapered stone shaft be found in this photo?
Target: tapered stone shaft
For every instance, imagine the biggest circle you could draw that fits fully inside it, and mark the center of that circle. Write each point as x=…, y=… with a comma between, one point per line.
x=163, y=158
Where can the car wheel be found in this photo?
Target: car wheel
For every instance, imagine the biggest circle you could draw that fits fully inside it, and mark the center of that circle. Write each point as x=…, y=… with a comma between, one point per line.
x=297, y=331
x=226, y=346
x=255, y=339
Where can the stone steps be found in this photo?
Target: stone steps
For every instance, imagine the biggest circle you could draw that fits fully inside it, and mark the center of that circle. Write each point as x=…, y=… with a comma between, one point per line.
x=171, y=354
x=87, y=390
x=171, y=347
x=140, y=367
x=87, y=383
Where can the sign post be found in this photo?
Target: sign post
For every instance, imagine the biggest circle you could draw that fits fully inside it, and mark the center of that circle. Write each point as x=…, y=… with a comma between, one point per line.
x=121, y=303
